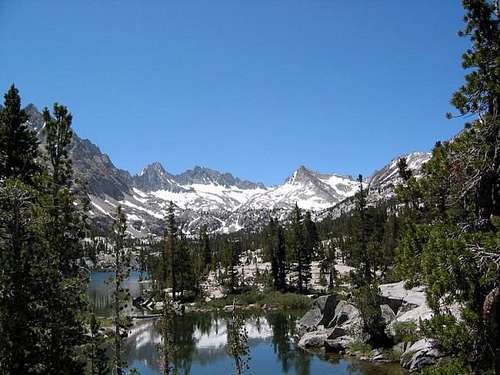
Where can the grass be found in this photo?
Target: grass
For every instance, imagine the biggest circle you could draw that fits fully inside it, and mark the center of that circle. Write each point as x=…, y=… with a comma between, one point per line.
x=361, y=348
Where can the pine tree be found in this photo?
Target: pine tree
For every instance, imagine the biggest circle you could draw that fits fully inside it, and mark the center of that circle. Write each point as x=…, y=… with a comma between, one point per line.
x=66, y=228
x=121, y=295
x=18, y=144
x=170, y=252
x=278, y=254
x=361, y=233
x=479, y=99
x=42, y=248
x=24, y=267
x=302, y=266
x=98, y=360
x=185, y=276
x=199, y=270
x=231, y=262
x=281, y=259
x=205, y=246
x=237, y=342
x=165, y=326
x=311, y=241
x=328, y=264
x=451, y=243
x=64, y=232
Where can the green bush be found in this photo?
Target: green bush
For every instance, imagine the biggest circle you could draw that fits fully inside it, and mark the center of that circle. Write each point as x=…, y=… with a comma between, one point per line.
x=360, y=347
x=407, y=331
x=451, y=366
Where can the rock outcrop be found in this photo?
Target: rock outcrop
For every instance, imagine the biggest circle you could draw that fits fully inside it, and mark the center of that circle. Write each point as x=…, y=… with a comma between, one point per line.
x=335, y=325
x=422, y=353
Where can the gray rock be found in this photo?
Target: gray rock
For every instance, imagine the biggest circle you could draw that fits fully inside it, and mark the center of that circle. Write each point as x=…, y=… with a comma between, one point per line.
x=348, y=317
x=394, y=303
x=337, y=345
x=405, y=307
x=315, y=339
x=320, y=302
x=388, y=314
x=311, y=319
x=422, y=353
x=338, y=332
x=328, y=309
x=377, y=355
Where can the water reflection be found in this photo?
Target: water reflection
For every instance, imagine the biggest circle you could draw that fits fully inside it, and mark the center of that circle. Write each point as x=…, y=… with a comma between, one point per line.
x=201, y=340
x=100, y=292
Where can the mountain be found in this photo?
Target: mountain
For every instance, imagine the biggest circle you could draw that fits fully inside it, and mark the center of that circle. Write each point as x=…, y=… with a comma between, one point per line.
x=154, y=177
x=97, y=171
x=207, y=176
x=310, y=190
x=206, y=197
x=382, y=183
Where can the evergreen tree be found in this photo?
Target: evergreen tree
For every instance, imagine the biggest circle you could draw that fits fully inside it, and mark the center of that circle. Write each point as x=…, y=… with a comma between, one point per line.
x=237, y=342
x=311, y=241
x=184, y=268
x=64, y=233
x=170, y=253
x=65, y=230
x=25, y=282
x=302, y=266
x=390, y=243
x=205, y=246
x=199, y=270
x=121, y=295
x=328, y=264
x=40, y=243
x=277, y=248
x=479, y=99
x=280, y=256
x=361, y=234
x=231, y=262
x=165, y=326
x=98, y=360
x=451, y=243
x=404, y=172
x=18, y=144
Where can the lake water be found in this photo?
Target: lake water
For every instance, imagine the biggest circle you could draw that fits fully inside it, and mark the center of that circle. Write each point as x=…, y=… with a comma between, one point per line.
x=201, y=339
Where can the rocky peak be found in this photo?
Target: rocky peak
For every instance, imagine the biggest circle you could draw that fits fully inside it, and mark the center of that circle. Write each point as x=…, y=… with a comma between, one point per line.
x=154, y=168
x=301, y=176
x=203, y=175
x=154, y=177
x=382, y=183
x=35, y=120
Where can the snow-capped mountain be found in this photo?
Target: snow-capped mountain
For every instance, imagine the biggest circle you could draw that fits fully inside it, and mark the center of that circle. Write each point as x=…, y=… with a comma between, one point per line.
x=310, y=190
x=206, y=197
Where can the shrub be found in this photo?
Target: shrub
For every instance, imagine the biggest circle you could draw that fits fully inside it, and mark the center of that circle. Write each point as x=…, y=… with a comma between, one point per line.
x=450, y=366
x=407, y=331
x=360, y=347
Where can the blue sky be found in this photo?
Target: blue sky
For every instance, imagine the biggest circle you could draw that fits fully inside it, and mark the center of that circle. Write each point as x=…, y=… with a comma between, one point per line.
x=255, y=88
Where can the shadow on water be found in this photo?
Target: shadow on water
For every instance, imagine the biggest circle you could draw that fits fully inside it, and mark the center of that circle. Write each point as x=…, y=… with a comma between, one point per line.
x=201, y=341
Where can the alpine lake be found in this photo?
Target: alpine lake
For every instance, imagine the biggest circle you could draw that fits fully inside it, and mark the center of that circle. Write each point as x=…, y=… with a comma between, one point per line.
x=201, y=341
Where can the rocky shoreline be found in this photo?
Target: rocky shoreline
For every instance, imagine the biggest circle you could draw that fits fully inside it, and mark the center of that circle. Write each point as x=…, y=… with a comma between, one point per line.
x=335, y=325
